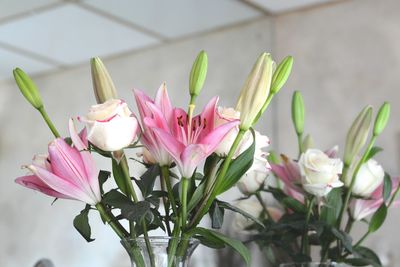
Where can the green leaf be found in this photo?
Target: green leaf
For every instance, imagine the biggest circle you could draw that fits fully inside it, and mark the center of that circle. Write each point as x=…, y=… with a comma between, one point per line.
x=217, y=215
x=233, y=243
x=119, y=176
x=81, y=223
x=116, y=199
x=228, y=206
x=358, y=262
x=378, y=219
x=374, y=150
x=330, y=211
x=344, y=237
x=294, y=205
x=387, y=187
x=197, y=195
x=238, y=168
x=103, y=176
x=367, y=253
x=136, y=211
x=147, y=180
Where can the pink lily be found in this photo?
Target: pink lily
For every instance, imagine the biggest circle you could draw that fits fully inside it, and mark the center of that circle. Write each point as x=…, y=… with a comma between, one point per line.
x=289, y=174
x=149, y=139
x=188, y=142
x=66, y=172
x=362, y=208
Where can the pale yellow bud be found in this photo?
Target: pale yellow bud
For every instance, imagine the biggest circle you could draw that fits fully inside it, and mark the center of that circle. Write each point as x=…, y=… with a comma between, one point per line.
x=103, y=86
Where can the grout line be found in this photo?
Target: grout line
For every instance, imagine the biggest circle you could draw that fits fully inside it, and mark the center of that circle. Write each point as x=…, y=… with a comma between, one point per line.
x=31, y=55
x=121, y=21
x=31, y=12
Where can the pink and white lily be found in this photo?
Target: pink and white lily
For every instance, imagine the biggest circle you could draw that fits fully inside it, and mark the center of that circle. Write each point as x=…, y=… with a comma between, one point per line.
x=188, y=142
x=362, y=208
x=146, y=107
x=66, y=172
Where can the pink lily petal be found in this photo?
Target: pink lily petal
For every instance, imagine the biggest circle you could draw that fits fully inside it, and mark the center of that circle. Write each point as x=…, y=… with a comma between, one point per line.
x=174, y=147
x=33, y=182
x=190, y=159
x=213, y=138
x=162, y=101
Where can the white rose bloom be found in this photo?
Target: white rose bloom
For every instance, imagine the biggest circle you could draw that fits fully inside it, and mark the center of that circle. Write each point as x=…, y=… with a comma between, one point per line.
x=369, y=177
x=111, y=126
x=319, y=172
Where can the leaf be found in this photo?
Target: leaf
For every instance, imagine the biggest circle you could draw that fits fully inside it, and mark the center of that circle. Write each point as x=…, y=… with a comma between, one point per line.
x=237, y=168
x=116, y=199
x=344, y=237
x=294, y=205
x=103, y=176
x=330, y=211
x=369, y=254
x=374, y=150
x=217, y=215
x=119, y=176
x=81, y=224
x=147, y=180
x=136, y=211
x=228, y=206
x=197, y=195
x=387, y=187
x=233, y=243
x=378, y=219
x=358, y=262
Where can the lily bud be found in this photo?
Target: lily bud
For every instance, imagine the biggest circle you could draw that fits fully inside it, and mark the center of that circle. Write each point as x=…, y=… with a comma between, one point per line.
x=298, y=112
x=103, y=86
x=255, y=91
x=28, y=88
x=281, y=74
x=198, y=74
x=382, y=118
x=357, y=135
x=308, y=143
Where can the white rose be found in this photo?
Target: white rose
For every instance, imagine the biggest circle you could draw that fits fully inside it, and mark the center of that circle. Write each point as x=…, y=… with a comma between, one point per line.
x=111, y=126
x=254, y=208
x=255, y=176
x=319, y=172
x=369, y=177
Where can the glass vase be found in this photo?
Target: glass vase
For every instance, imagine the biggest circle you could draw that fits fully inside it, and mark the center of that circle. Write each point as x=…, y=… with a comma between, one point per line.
x=160, y=251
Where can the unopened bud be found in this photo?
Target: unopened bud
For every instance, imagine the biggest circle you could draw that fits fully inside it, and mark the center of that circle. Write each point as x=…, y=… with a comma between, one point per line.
x=103, y=86
x=28, y=88
x=298, y=112
x=382, y=118
x=198, y=74
x=281, y=74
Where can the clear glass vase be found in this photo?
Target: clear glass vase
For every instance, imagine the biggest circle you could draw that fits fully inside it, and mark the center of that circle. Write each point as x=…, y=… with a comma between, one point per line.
x=314, y=264
x=160, y=251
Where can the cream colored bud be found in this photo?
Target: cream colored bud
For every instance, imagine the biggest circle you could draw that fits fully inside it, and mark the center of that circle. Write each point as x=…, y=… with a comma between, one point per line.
x=103, y=86
x=255, y=91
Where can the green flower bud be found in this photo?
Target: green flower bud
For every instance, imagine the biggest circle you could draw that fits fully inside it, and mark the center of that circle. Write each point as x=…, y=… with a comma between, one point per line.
x=308, y=143
x=198, y=74
x=382, y=118
x=298, y=112
x=103, y=86
x=28, y=88
x=281, y=74
x=357, y=135
x=255, y=91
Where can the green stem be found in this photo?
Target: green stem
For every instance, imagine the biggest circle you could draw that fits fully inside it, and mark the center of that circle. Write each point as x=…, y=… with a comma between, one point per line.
x=174, y=243
x=165, y=175
x=264, y=107
x=259, y=198
x=300, y=143
x=394, y=196
x=362, y=239
x=210, y=196
x=185, y=186
x=49, y=122
x=353, y=179
x=166, y=205
x=304, y=240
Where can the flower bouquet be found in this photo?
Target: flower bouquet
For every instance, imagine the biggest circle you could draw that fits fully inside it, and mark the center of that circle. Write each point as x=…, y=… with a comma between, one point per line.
x=189, y=159
x=311, y=204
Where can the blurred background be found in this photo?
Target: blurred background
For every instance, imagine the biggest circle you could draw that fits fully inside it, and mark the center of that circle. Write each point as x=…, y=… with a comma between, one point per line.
x=347, y=55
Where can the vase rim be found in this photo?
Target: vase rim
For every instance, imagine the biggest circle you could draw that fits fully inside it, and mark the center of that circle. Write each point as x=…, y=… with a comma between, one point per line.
x=160, y=239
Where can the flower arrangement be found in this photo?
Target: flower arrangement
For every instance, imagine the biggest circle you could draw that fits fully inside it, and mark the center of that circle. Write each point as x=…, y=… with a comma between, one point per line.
x=310, y=205
x=173, y=194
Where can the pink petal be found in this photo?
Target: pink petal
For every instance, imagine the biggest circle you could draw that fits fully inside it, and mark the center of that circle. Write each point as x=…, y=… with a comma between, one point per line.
x=191, y=157
x=58, y=184
x=208, y=114
x=214, y=137
x=173, y=146
x=79, y=140
x=141, y=99
x=163, y=102
x=33, y=182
